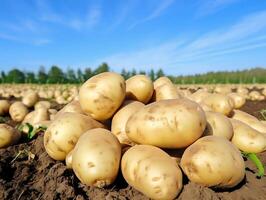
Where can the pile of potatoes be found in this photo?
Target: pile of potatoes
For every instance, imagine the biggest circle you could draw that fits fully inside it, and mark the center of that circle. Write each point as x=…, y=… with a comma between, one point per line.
x=154, y=132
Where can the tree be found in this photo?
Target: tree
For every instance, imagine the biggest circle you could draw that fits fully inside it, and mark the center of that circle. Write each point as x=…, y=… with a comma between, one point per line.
x=15, y=76
x=71, y=76
x=80, y=76
x=159, y=73
x=88, y=73
x=152, y=75
x=55, y=75
x=3, y=77
x=142, y=72
x=30, y=77
x=125, y=74
x=42, y=76
x=102, y=68
x=133, y=72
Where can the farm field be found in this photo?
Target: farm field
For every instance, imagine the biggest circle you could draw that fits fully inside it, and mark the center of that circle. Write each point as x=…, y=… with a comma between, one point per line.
x=29, y=171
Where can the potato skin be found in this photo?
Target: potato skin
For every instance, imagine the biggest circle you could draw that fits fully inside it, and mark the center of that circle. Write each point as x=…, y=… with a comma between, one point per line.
x=4, y=107
x=139, y=88
x=161, y=81
x=63, y=133
x=248, y=139
x=165, y=91
x=152, y=171
x=8, y=135
x=68, y=159
x=218, y=125
x=102, y=95
x=213, y=161
x=174, y=123
x=120, y=119
x=238, y=99
x=219, y=103
x=249, y=120
x=96, y=158
x=30, y=98
x=18, y=111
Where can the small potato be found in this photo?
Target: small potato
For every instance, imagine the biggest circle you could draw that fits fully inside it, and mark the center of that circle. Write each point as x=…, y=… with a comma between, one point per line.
x=102, y=95
x=18, y=111
x=96, y=158
x=218, y=125
x=30, y=98
x=8, y=135
x=198, y=96
x=4, y=107
x=73, y=106
x=213, y=162
x=139, y=88
x=161, y=81
x=152, y=171
x=166, y=91
x=174, y=123
x=248, y=139
x=219, y=103
x=249, y=120
x=63, y=133
x=42, y=104
x=238, y=99
x=120, y=119
x=36, y=116
x=68, y=160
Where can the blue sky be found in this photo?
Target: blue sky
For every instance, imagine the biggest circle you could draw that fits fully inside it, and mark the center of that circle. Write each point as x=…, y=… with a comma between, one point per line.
x=180, y=36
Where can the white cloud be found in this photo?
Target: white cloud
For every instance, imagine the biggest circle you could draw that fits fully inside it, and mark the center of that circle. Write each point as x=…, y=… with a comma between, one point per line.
x=155, y=13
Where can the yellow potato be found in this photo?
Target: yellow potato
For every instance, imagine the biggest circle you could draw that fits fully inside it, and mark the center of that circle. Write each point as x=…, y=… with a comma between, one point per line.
x=41, y=104
x=63, y=133
x=213, y=161
x=102, y=95
x=165, y=91
x=250, y=120
x=96, y=158
x=8, y=135
x=152, y=171
x=172, y=123
x=73, y=106
x=4, y=107
x=18, y=111
x=218, y=125
x=139, y=88
x=248, y=139
x=238, y=99
x=161, y=81
x=69, y=160
x=30, y=98
x=120, y=119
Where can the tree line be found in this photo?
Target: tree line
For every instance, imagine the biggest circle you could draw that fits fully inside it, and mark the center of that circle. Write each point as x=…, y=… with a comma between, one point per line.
x=56, y=75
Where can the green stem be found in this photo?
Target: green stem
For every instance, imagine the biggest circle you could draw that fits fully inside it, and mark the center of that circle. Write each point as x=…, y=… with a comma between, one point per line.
x=254, y=158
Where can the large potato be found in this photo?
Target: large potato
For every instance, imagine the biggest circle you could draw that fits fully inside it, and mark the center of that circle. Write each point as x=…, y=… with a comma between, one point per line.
x=248, y=139
x=96, y=158
x=219, y=103
x=63, y=133
x=4, y=107
x=218, y=125
x=250, y=120
x=213, y=161
x=30, y=98
x=8, y=135
x=152, y=171
x=172, y=123
x=238, y=99
x=18, y=111
x=102, y=95
x=139, y=88
x=120, y=119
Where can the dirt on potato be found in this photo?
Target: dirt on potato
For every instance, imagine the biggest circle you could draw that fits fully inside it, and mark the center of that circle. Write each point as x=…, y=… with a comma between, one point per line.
x=34, y=175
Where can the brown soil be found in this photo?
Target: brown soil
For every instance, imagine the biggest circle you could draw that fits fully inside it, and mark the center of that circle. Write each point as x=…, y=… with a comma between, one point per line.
x=40, y=177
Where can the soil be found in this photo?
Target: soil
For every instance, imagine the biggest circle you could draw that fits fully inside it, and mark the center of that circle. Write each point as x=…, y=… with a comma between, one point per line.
x=34, y=175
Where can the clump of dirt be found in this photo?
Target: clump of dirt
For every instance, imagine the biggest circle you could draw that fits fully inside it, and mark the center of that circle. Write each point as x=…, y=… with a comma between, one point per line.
x=34, y=175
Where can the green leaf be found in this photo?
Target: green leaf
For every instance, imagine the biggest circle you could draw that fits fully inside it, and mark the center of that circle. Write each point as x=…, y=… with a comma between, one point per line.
x=254, y=158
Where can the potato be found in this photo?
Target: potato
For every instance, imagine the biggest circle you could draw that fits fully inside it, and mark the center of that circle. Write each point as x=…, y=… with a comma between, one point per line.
x=248, y=139
x=218, y=125
x=139, y=88
x=73, y=106
x=238, y=99
x=222, y=89
x=30, y=98
x=102, y=95
x=161, y=81
x=249, y=120
x=198, y=96
x=8, y=135
x=166, y=91
x=172, y=123
x=41, y=104
x=120, y=119
x=96, y=158
x=68, y=160
x=151, y=171
x=36, y=116
x=63, y=133
x=213, y=161
x=219, y=103
x=18, y=111
x=4, y=107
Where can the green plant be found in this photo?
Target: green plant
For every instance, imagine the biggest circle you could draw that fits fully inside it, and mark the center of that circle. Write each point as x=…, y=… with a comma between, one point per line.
x=254, y=158
x=31, y=131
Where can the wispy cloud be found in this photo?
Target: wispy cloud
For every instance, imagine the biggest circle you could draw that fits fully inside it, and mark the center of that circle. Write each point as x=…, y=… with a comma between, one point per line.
x=207, y=7
x=248, y=33
x=154, y=14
